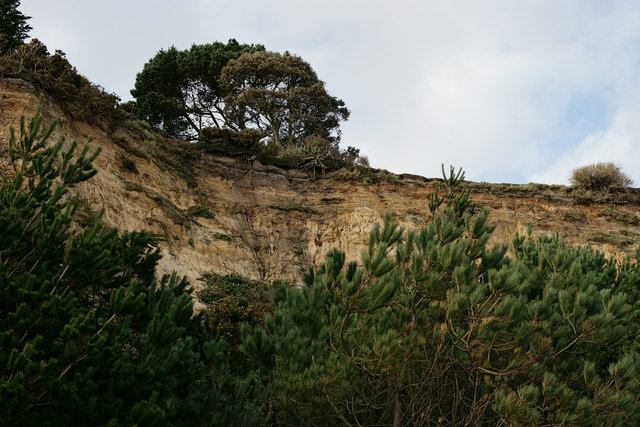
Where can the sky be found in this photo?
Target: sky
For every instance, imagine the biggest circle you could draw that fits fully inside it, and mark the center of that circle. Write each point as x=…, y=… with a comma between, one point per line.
x=511, y=91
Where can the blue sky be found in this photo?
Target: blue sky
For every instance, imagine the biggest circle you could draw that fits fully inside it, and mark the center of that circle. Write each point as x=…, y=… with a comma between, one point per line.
x=512, y=91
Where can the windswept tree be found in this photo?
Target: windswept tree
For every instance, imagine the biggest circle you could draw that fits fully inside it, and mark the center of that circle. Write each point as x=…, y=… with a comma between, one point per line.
x=13, y=26
x=281, y=96
x=180, y=91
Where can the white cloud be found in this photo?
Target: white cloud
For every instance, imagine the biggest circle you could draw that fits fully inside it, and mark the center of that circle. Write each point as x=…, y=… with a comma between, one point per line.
x=619, y=143
x=506, y=90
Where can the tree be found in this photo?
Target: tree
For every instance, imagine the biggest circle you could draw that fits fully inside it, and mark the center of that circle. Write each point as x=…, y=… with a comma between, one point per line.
x=54, y=75
x=88, y=335
x=281, y=96
x=435, y=327
x=180, y=91
x=13, y=26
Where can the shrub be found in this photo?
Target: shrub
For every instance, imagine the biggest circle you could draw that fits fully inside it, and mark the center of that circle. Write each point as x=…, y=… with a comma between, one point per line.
x=230, y=141
x=127, y=163
x=620, y=216
x=54, y=75
x=600, y=176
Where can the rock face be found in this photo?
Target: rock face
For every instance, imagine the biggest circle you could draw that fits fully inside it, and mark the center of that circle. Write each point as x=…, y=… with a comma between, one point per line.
x=230, y=215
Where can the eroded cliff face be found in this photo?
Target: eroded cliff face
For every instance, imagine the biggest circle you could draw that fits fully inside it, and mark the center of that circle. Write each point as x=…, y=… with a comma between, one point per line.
x=228, y=214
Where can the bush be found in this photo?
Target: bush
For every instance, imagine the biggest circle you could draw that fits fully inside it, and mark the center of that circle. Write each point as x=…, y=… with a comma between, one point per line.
x=230, y=141
x=54, y=75
x=600, y=176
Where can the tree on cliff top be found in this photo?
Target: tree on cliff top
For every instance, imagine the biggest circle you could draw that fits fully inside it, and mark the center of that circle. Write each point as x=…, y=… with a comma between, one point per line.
x=236, y=86
x=180, y=90
x=281, y=96
x=13, y=26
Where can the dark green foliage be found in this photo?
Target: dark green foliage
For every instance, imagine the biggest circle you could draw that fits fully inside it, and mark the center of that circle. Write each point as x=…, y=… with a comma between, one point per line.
x=200, y=211
x=126, y=163
x=281, y=96
x=314, y=154
x=231, y=301
x=222, y=236
x=295, y=208
x=56, y=77
x=180, y=91
x=574, y=216
x=88, y=336
x=231, y=96
x=437, y=328
x=226, y=316
x=13, y=26
x=217, y=287
x=246, y=141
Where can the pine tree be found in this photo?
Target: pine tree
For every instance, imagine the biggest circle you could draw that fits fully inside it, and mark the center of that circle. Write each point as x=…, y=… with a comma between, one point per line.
x=437, y=327
x=13, y=26
x=88, y=335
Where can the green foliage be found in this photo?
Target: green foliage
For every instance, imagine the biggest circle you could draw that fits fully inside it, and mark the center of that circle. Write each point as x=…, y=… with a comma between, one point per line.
x=623, y=217
x=609, y=238
x=180, y=91
x=222, y=236
x=225, y=318
x=434, y=327
x=200, y=211
x=231, y=301
x=126, y=163
x=217, y=287
x=232, y=97
x=13, y=26
x=88, y=335
x=314, y=154
x=282, y=97
x=574, y=216
x=229, y=141
x=56, y=77
x=454, y=179
x=600, y=176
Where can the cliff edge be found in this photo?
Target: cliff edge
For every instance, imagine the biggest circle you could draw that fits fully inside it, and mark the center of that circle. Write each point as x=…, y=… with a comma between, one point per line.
x=225, y=214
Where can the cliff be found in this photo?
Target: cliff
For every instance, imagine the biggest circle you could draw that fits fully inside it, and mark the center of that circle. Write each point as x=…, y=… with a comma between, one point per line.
x=227, y=214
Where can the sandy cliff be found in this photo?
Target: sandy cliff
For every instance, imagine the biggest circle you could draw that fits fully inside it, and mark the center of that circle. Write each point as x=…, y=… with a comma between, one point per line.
x=226, y=214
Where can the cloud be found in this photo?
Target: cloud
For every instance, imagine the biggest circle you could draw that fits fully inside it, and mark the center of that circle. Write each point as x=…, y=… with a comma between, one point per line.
x=619, y=142
x=506, y=90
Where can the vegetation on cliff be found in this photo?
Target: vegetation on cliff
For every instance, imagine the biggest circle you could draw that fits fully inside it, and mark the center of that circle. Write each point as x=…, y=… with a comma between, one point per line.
x=181, y=92
x=53, y=75
x=88, y=334
x=239, y=98
x=13, y=26
x=600, y=176
x=433, y=326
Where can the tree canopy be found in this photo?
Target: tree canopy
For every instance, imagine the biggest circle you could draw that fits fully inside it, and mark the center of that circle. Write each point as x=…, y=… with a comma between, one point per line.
x=180, y=91
x=236, y=86
x=281, y=96
x=13, y=26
